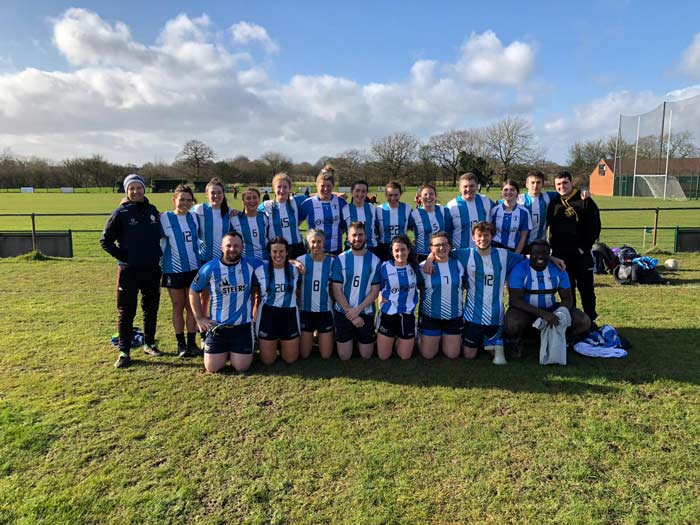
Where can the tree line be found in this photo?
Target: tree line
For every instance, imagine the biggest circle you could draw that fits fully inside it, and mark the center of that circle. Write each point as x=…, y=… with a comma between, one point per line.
x=507, y=148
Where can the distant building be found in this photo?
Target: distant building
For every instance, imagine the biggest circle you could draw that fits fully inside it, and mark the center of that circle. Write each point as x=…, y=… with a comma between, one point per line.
x=683, y=178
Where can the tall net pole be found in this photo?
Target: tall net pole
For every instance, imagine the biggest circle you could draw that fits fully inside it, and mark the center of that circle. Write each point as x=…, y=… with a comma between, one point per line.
x=636, y=154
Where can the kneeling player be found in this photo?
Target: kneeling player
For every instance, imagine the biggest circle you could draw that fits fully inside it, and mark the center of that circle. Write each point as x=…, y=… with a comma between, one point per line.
x=533, y=286
x=355, y=278
x=399, y=296
x=278, y=319
x=232, y=280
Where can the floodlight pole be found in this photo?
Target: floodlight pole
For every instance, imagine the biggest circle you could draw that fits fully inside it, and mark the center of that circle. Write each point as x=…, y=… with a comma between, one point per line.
x=636, y=151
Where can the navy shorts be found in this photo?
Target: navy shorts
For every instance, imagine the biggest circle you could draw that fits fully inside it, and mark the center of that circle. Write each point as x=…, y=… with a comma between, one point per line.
x=178, y=281
x=278, y=323
x=321, y=322
x=437, y=327
x=402, y=326
x=236, y=339
x=476, y=335
x=346, y=331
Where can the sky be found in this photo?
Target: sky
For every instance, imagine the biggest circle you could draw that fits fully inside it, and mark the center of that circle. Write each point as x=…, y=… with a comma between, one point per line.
x=133, y=81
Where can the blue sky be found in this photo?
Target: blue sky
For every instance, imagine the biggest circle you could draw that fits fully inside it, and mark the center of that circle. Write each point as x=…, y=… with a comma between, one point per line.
x=134, y=81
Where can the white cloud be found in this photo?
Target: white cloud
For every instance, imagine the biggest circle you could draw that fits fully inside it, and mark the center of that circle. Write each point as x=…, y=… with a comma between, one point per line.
x=690, y=60
x=245, y=32
x=485, y=61
x=133, y=102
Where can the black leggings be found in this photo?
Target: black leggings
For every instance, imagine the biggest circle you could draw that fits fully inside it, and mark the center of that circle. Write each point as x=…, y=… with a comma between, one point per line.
x=129, y=282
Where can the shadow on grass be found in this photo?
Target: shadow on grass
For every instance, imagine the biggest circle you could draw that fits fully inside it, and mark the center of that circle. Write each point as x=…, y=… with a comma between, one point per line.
x=657, y=354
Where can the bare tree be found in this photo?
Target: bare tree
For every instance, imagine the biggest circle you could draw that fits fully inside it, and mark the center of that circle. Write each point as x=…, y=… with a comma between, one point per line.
x=395, y=155
x=195, y=154
x=446, y=149
x=511, y=140
x=276, y=162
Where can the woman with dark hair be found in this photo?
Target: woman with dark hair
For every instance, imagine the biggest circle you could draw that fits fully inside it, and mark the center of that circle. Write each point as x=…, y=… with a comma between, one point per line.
x=400, y=280
x=278, y=318
x=132, y=237
x=392, y=218
x=180, y=265
x=426, y=220
x=213, y=221
x=511, y=220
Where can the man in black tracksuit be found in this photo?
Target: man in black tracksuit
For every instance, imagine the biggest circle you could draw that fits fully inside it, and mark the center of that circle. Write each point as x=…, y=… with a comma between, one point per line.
x=574, y=225
x=132, y=236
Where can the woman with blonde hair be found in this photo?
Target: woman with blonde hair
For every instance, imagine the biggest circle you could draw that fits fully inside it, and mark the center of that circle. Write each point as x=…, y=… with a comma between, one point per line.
x=324, y=211
x=283, y=211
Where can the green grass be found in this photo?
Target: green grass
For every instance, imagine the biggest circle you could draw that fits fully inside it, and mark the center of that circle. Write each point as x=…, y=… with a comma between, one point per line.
x=598, y=441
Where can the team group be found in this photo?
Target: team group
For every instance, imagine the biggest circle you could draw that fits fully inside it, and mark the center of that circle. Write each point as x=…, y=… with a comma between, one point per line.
x=238, y=276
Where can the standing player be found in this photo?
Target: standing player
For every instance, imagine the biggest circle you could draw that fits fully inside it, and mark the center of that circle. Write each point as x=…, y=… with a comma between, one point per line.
x=392, y=217
x=316, y=305
x=399, y=296
x=465, y=210
x=132, y=237
x=429, y=218
x=536, y=201
x=232, y=281
x=360, y=209
x=180, y=264
x=278, y=319
x=324, y=211
x=213, y=221
x=355, y=277
x=253, y=225
x=574, y=225
x=441, y=300
x=283, y=211
x=512, y=221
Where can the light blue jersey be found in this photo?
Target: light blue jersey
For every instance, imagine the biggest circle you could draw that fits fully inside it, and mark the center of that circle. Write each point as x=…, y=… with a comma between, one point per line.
x=357, y=274
x=366, y=214
x=540, y=287
x=315, y=283
x=254, y=231
x=211, y=228
x=281, y=289
x=284, y=218
x=538, y=212
x=326, y=216
x=443, y=290
x=510, y=224
x=179, y=242
x=231, y=288
x=486, y=277
x=424, y=224
x=461, y=215
x=399, y=290
x=392, y=221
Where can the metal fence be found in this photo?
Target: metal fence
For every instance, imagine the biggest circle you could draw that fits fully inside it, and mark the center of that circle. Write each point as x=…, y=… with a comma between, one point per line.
x=620, y=226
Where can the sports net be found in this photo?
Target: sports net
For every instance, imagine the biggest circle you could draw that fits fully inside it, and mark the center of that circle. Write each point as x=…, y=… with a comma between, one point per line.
x=658, y=152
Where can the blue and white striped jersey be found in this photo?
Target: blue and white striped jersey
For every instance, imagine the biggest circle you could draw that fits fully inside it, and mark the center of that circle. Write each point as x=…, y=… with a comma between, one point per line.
x=281, y=289
x=326, y=216
x=510, y=224
x=231, y=288
x=399, y=289
x=540, y=287
x=211, y=228
x=392, y=221
x=443, y=293
x=485, y=278
x=538, y=212
x=357, y=274
x=424, y=224
x=461, y=215
x=367, y=214
x=179, y=242
x=255, y=234
x=315, y=283
x=284, y=218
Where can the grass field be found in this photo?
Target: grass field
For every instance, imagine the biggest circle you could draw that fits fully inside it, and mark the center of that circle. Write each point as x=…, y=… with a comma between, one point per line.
x=329, y=442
